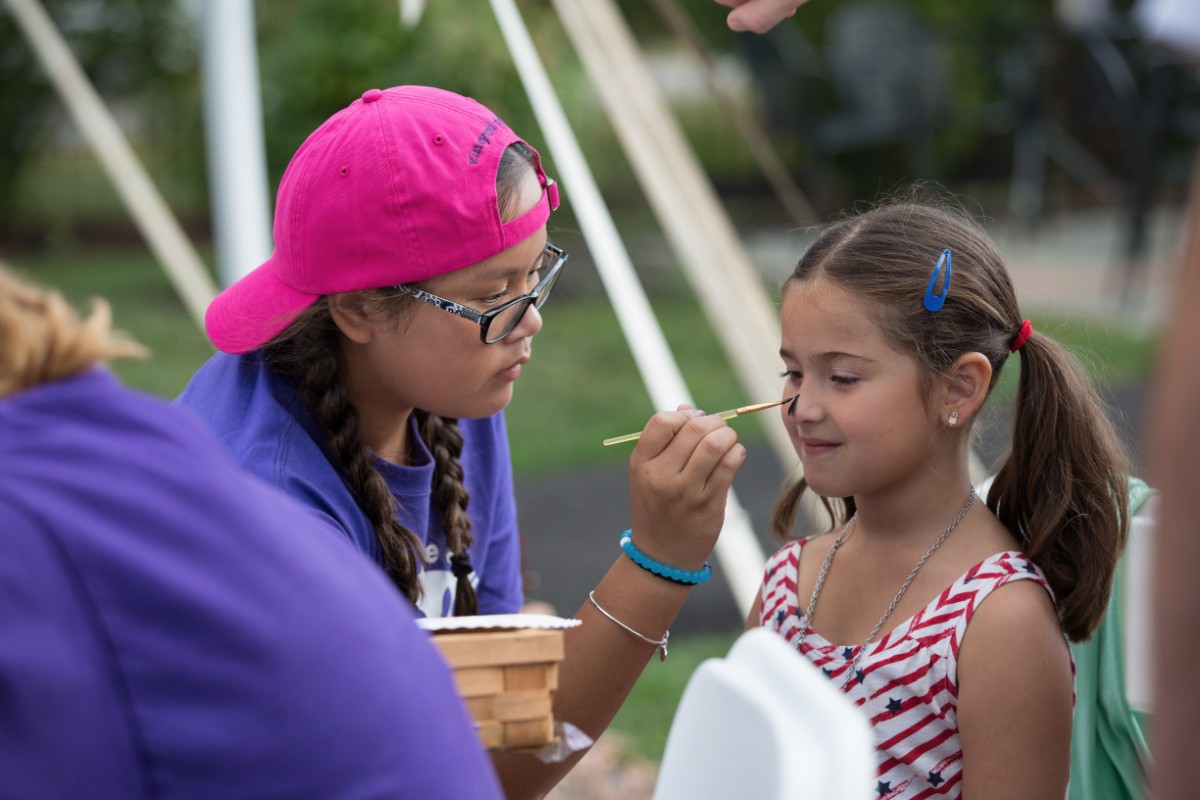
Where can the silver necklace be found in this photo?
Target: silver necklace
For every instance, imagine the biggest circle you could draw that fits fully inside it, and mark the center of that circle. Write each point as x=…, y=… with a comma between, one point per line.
x=806, y=622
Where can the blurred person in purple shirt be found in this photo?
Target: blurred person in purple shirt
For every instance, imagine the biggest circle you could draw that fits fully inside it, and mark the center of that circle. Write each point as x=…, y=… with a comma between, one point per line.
x=172, y=627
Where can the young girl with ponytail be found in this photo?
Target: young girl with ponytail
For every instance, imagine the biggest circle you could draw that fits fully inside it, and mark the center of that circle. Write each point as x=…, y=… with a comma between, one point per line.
x=943, y=617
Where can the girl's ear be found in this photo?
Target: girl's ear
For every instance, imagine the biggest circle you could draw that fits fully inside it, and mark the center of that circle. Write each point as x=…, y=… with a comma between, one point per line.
x=350, y=315
x=967, y=386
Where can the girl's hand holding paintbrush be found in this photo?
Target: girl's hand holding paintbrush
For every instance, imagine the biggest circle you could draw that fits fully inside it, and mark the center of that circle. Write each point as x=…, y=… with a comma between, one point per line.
x=730, y=414
x=679, y=476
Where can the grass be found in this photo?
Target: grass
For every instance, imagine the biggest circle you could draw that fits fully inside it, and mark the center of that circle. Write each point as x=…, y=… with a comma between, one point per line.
x=645, y=719
x=581, y=387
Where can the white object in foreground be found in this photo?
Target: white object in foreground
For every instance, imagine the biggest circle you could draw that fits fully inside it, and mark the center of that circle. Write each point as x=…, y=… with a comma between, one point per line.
x=764, y=723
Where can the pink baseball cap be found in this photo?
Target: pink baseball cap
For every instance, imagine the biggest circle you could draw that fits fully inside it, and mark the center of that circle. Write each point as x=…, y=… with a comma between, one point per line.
x=397, y=187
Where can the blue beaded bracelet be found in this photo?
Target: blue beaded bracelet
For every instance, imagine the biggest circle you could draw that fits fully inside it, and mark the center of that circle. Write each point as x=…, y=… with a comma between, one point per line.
x=689, y=577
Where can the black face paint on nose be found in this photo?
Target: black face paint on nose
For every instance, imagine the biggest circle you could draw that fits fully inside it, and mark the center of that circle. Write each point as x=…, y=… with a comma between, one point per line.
x=792, y=407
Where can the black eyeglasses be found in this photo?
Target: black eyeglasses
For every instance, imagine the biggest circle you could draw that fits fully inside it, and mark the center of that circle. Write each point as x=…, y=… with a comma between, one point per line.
x=497, y=323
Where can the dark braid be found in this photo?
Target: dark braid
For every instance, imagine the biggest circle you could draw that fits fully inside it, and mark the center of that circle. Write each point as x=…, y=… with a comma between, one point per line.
x=307, y=353
x=445, y=442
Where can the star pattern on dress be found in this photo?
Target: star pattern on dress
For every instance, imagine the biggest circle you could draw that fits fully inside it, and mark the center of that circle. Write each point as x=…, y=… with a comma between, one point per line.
x=780, y=617
x=891, y=670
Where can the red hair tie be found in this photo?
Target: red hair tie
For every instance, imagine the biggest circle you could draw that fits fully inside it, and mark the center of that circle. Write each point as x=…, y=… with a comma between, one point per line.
x=1022, y=336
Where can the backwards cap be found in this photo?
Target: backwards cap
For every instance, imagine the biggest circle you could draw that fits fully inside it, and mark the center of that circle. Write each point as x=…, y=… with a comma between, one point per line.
x=397, y=187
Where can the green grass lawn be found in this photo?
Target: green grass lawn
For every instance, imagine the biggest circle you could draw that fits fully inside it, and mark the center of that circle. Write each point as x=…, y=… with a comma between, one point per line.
x=581, y=387
x=645, y=719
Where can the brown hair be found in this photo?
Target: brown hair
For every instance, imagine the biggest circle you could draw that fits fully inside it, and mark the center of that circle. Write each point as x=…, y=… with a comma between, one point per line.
x=42, y=339
x=1062, y=489
x=308, y=353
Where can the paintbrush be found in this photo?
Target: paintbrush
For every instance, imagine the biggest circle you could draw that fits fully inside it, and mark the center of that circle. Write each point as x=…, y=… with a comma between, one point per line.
x=730, y=414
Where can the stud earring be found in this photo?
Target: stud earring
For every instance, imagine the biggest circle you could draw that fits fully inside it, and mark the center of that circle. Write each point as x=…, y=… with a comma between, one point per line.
x=953, y=419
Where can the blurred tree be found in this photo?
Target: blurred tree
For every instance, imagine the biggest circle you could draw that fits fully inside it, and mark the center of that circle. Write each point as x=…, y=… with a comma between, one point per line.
x=140, y=54
x=316, y=56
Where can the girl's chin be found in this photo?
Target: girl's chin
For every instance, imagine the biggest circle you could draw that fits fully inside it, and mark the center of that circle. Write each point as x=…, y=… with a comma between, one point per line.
x=825, y=488
x=481, y=406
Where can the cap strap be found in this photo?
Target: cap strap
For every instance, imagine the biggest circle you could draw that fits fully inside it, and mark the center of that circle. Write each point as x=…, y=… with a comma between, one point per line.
x=521, y=228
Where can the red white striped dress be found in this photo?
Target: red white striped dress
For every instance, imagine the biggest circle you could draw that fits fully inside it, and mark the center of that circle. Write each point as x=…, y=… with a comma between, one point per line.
x=907, y=682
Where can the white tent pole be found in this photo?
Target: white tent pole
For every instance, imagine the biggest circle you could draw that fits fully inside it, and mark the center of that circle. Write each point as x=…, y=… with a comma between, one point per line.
x=163, y=233
x=237, y=162
x=738, y=552
x=747, y=124
x=727, y=284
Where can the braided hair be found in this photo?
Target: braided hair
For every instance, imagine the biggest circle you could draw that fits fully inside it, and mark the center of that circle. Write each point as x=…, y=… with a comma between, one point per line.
x=307, y=353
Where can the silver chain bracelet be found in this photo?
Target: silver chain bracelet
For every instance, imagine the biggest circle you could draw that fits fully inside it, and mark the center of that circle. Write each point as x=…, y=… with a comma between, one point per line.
x=661, y=644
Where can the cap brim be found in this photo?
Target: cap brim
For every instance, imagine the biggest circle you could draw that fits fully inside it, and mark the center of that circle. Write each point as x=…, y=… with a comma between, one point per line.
x=253, y=311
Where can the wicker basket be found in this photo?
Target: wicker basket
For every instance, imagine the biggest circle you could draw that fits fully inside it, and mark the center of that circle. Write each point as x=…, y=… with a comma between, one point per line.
x=506, y=678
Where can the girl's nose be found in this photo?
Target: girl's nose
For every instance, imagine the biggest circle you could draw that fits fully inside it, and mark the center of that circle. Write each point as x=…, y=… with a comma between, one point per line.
x=529, y=325
x=802, y=407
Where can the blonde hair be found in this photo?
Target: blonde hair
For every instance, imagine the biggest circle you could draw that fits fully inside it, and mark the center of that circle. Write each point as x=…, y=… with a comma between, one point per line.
x=43, y=339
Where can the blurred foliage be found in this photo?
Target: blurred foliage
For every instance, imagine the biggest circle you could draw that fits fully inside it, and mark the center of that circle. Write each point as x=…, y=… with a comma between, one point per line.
x=140, y=54
x=315, y=56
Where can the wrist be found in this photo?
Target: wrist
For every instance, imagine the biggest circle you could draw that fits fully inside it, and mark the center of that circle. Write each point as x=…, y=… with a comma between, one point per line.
x=687, y=577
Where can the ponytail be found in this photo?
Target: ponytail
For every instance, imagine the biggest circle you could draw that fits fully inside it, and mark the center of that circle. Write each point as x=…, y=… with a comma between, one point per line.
x=42, y=339
x=1063, y=488
x=783, y=515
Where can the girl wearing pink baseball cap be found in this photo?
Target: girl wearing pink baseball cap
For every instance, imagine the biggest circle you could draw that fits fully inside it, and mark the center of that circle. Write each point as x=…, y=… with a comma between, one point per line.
x=366, y=364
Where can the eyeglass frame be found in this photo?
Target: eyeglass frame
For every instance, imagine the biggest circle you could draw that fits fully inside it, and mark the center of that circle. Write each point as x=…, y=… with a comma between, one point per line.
x=484, y=318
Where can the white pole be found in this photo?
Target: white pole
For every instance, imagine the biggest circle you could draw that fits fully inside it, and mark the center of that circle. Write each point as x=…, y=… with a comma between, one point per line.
x=163, y=233
x=410, y=12
x=738, y=552
x=237, y=163
x=728, y=286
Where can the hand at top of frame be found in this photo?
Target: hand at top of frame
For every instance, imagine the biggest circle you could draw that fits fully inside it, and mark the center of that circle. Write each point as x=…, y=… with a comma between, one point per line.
x=758, y=16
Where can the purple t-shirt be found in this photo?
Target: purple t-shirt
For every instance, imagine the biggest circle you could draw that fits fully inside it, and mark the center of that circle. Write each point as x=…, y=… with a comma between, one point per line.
x=171, y=627
x=258, y=416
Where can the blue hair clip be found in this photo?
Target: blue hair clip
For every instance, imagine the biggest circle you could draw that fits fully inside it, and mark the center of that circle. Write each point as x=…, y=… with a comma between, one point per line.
x=934, y=302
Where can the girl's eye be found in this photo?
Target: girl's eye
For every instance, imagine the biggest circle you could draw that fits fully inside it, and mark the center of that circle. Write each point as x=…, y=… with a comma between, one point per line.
x=792, y=375
x=493, y=299
x=844, y=380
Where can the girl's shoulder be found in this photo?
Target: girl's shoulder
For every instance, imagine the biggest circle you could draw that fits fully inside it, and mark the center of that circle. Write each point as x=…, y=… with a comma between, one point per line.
x=787, y=557
x=1008, y=589
x=821, y=541
x=1004, y=567
x=1013, y=624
